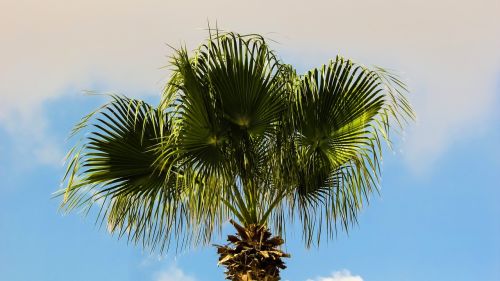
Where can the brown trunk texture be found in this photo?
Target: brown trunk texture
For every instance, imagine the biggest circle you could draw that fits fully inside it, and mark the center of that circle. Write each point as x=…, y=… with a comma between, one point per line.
x=252, y=255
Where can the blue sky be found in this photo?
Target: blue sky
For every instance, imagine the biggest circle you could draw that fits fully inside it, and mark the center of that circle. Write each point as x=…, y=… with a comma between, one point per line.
x=436, y=218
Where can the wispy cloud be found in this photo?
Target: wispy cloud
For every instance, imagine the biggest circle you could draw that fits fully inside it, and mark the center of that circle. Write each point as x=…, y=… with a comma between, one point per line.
x=28, y=140
x=173, y=273
x=343, y=275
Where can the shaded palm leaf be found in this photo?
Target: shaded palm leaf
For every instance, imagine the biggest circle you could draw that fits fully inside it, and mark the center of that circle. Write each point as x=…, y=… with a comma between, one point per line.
x=115, y=167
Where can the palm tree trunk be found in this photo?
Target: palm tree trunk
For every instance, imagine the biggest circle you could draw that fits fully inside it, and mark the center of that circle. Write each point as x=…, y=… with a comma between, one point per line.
x=252, y=255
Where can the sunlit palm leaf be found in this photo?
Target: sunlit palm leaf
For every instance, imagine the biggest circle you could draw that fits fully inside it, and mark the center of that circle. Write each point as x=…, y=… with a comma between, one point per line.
x=340, y=117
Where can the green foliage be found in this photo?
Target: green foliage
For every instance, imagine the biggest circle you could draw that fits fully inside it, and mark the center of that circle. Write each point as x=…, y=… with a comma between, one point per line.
x=238, y=133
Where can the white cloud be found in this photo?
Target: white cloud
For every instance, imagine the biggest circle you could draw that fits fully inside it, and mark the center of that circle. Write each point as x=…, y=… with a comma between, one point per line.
x=151, y=259
x=173, y=273
x=343, y=275
x=30, y=142
x=49, y=154
x=448, y=50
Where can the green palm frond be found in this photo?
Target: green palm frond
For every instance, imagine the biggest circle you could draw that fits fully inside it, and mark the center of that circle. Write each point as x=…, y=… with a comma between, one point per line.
x=340, y=116
x=115, y=168
x=227, y=94
x=238, y=133
x=228, y=98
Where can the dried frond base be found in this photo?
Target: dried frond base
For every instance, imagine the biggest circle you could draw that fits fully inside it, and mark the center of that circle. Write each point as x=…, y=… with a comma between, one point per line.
x=252, y=255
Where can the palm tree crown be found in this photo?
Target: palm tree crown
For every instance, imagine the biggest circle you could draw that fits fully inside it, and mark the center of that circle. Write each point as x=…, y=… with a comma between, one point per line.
x=238, y=134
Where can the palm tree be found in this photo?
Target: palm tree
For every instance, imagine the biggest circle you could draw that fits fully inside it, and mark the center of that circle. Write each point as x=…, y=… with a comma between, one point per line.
x=238, y=136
